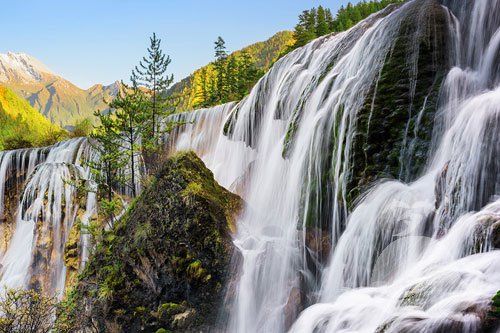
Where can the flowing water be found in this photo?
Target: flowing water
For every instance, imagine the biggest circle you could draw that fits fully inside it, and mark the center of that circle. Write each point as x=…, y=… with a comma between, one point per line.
x=416, y=254
x=46, y=212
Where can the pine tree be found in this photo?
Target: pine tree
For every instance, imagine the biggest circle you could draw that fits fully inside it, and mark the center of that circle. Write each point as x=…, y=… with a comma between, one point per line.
x=329, y=20
x=118, y=140
x=152, y=74
x=248, y=74
x=204, y=92
x=321, y=24
x=232, y=78
x=105, y=169
x=220, y=92
x=356, y=14
x=305, y=30
x=311, y=21
x=130, y=125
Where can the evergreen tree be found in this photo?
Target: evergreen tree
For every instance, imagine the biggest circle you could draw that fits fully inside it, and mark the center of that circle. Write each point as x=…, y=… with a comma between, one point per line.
x=220, y=91
x=356, y=14
x=204, y=93
x=305, y=30
x=118, y=139
x=248, y=74
x=152, y=74
x=130, y=125
x=232, y=79
x=311, y=21
x=329, y=20
x=321, y=24
x=105, y=169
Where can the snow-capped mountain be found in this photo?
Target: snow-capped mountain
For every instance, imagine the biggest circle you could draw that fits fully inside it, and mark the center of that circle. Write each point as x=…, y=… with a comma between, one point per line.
x=22, y=67
x=57, y=98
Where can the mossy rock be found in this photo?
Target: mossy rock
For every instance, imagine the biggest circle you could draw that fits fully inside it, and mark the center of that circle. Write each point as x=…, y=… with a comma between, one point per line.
x=164, y=263
x=71, y=250
x=395, y=126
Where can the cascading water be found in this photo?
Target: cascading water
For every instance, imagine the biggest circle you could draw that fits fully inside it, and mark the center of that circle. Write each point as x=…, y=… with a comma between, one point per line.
x=324, y=247
x=445, y=283
x=415, y=256
x=225, y=158
x=46, y=212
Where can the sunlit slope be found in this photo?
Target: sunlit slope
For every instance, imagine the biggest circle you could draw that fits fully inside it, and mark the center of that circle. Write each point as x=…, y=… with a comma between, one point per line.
x=20, y=123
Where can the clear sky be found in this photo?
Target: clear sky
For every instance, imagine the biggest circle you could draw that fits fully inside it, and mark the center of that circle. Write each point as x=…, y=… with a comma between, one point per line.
x=99, y=41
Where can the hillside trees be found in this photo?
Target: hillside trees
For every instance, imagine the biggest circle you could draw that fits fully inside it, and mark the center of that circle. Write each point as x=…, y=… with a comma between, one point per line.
x=229, y=78
x=194, y=91
x=21, y=126
x=314, y=23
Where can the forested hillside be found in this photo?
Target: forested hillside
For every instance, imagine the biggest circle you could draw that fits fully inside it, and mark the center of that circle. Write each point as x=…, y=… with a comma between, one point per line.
x=22, y=125
x=230, y=77
x=317, y=22
x=246, y=66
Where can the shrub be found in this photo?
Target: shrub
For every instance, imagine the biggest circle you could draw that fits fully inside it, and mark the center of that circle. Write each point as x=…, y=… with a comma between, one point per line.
x=26, y=311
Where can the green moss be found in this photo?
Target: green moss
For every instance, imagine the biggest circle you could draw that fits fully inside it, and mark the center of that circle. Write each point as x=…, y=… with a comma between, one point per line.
x=139, y=310
x=168, y=254
x=192, y=189
x=71, y=255
x=170, y=309
x=162, y=330
x=495, y=306
x=390, y=140
x=195, y=271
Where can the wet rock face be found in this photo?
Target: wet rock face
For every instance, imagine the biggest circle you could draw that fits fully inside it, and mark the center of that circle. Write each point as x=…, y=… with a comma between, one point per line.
x=166, y=262
x=395, y=126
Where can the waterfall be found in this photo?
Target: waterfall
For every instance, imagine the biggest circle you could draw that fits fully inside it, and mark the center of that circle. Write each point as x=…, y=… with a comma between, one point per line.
x=225, y=158
x=47, y=210
x=369, y=164
x=411, y=257
x=330, y=245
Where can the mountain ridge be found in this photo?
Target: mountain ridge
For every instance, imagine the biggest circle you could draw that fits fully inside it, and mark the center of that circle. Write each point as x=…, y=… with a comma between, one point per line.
x=58, y=99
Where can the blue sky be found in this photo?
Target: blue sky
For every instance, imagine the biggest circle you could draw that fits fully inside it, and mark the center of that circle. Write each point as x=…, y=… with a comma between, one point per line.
x=99, y=41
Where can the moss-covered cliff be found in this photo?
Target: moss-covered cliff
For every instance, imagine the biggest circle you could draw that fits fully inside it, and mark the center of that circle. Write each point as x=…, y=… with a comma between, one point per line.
x=395, y=126
x=164, y=264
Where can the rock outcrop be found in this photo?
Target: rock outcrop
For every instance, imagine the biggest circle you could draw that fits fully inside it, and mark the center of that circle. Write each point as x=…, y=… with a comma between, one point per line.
x=164, y=265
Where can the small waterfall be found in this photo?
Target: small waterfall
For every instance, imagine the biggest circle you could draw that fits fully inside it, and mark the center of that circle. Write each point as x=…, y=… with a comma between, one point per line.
x=225, y=158
x=47, y=210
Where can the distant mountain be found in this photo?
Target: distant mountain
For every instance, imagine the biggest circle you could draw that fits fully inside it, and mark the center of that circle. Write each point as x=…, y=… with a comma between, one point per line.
x=264, y=54
x=22, y=125
x=55, y=97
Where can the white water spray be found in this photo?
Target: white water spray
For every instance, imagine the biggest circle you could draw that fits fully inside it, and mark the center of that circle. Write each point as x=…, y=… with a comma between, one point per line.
x=410, y=256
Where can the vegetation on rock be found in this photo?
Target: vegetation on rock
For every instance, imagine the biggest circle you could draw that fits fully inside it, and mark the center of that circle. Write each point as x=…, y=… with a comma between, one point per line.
x=164, y=264
x=394, y=135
